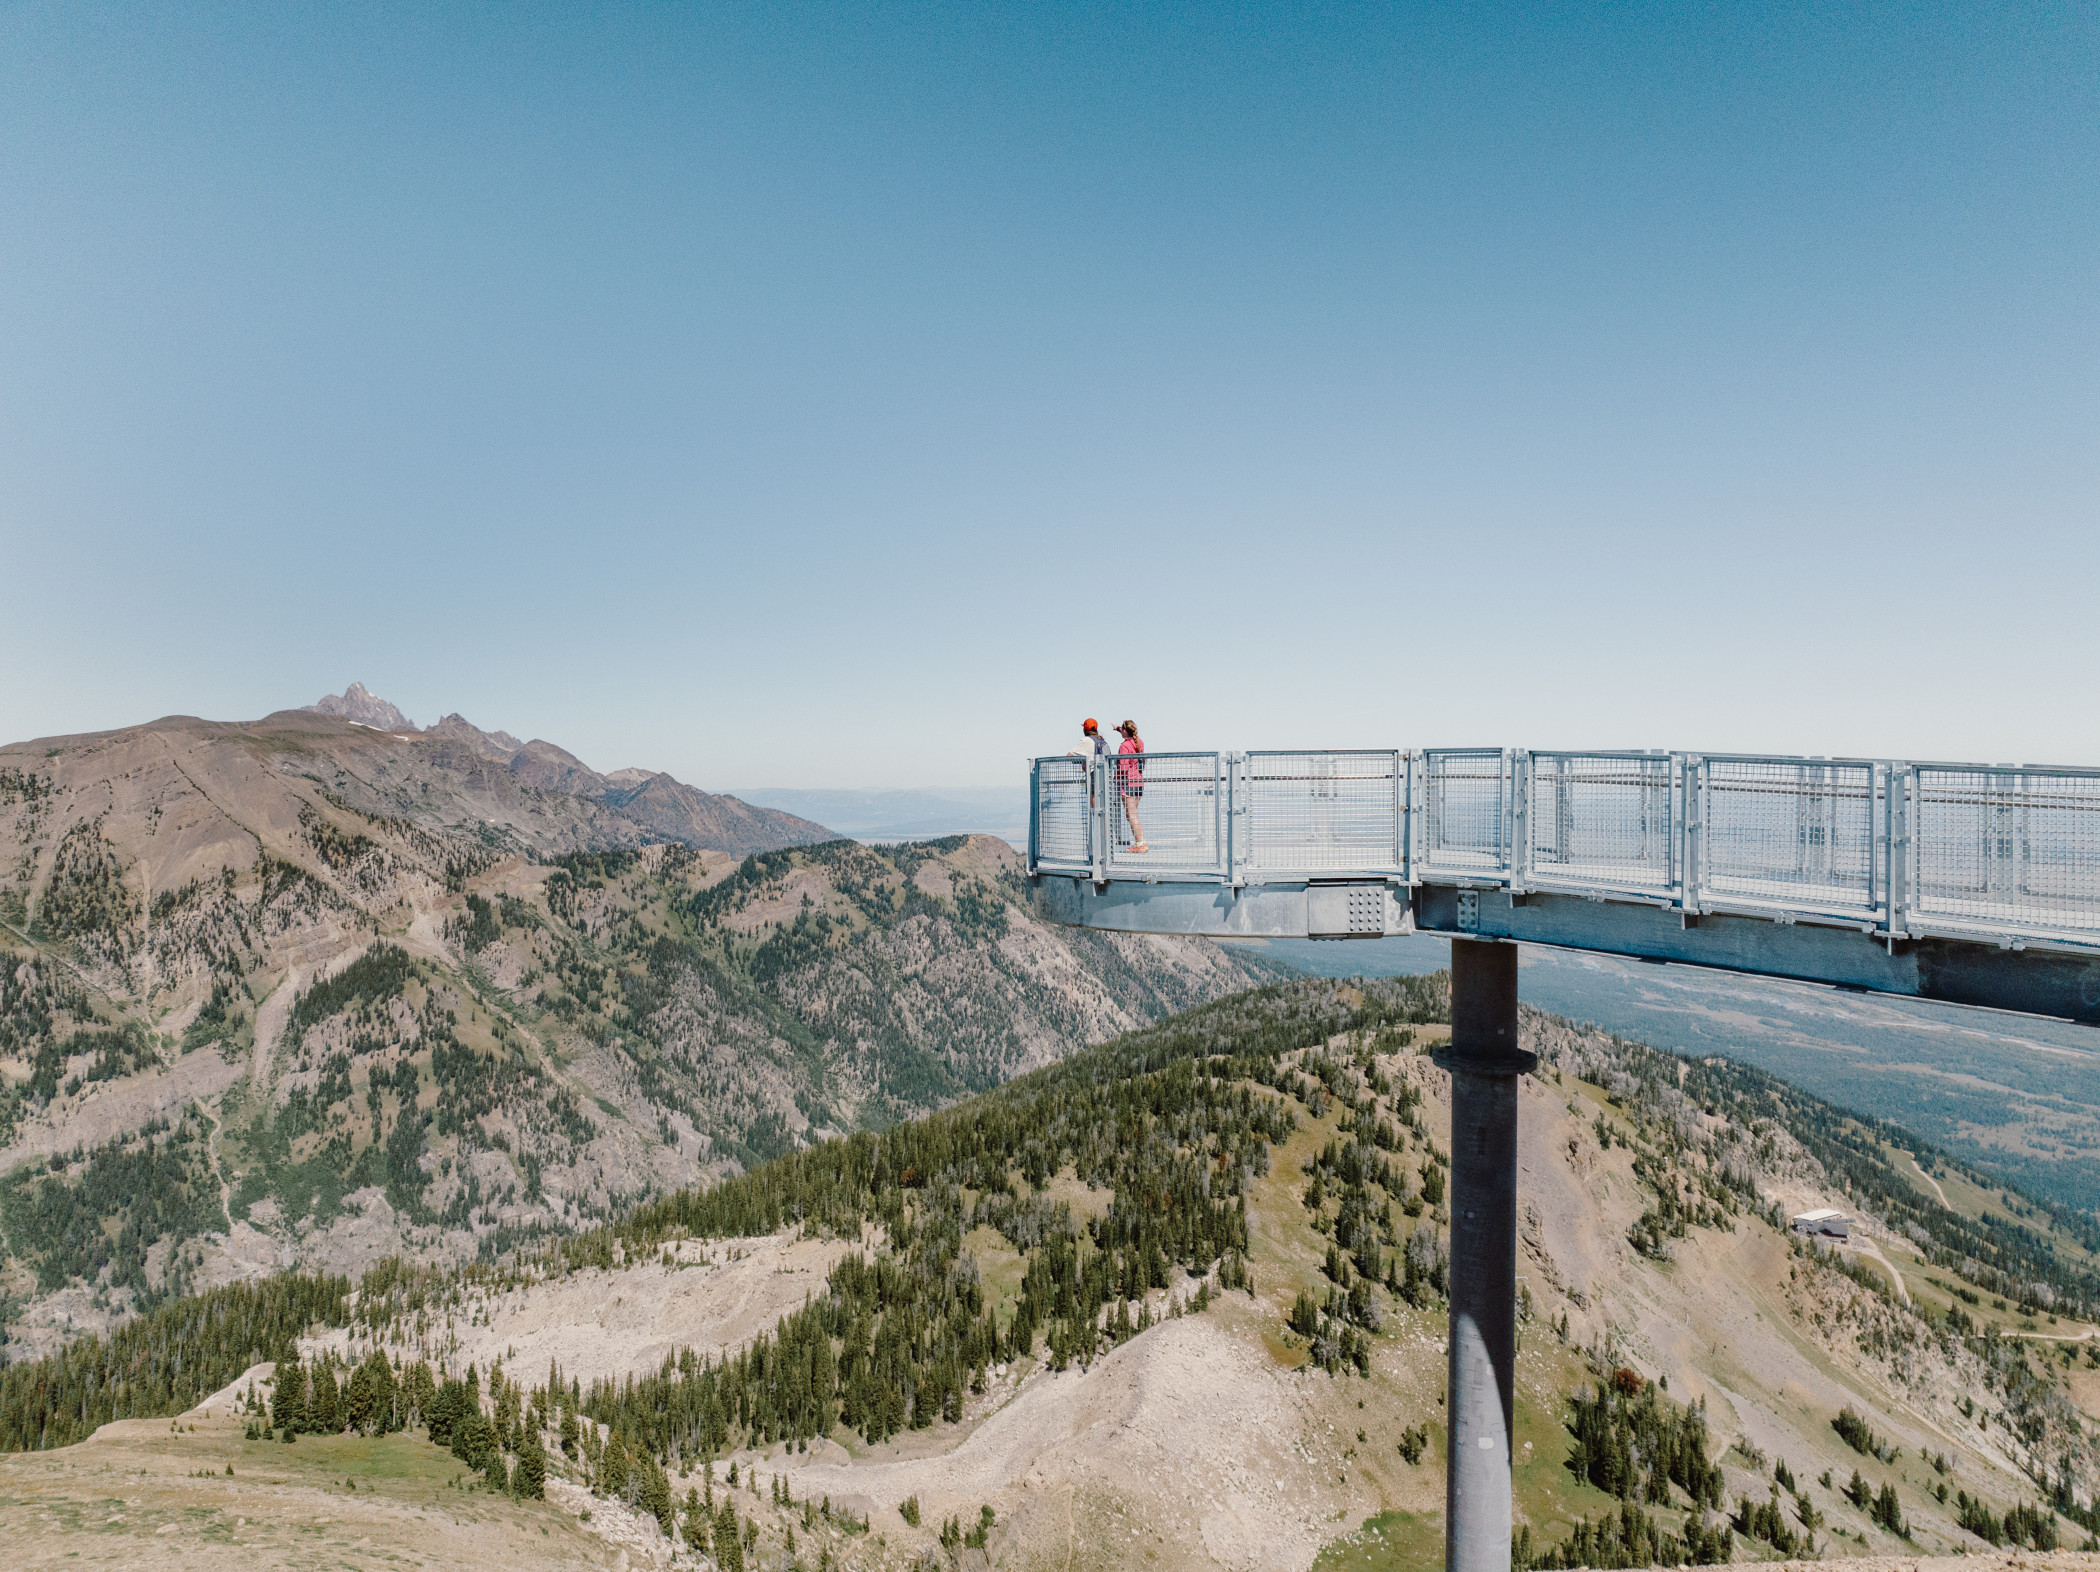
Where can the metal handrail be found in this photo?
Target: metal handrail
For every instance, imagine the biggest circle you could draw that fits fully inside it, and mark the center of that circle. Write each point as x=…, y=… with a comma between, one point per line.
x=2008, y=854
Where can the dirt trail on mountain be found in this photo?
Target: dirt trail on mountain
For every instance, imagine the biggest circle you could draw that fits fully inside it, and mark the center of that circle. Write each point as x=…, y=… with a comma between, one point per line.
x=1866, y=1246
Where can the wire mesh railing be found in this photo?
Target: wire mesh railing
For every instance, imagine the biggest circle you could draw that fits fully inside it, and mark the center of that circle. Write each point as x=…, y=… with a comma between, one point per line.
x=1791, y=834
x=1467, y=794
x=2000, y=853
x=2015, y=850
x=1601, y=819
x=1321, y=812
x=1061, y=814
x=1170, y=804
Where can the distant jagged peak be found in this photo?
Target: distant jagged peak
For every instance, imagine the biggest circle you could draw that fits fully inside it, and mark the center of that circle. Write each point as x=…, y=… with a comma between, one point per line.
x=631, y=777
x=359, y=704
x=456, y=722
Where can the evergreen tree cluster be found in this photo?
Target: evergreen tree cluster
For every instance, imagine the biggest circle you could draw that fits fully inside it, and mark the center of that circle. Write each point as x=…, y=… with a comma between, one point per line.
x=164, y=1362
x=2031, y=1526
x=1764, y=1520
x=1634, y=1443
x=1627, y=1538
x=1856, y=1433
x=98, y=1223
x=322, y=1398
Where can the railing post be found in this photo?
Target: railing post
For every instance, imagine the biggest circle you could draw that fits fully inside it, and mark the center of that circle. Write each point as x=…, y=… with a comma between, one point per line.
x=1694, y=823
x=1035, y=814
x=1399, y=813
x=1410, y=818
x=1519, y=851
x=1902, y=778
x=1484, y=1061
x=1098, y=817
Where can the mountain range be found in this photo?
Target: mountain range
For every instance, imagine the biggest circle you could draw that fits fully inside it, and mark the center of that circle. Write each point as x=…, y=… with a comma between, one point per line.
x=314, y=989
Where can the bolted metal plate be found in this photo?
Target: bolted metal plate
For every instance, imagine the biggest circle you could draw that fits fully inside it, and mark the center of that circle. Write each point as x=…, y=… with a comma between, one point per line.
x=1345, y=911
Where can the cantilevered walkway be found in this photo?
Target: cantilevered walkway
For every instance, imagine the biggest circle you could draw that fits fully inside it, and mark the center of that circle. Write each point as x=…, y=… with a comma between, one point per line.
x=1974, y=883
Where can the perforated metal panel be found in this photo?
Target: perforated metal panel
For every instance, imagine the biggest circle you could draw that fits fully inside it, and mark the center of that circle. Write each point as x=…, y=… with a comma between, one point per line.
x=1345, y=911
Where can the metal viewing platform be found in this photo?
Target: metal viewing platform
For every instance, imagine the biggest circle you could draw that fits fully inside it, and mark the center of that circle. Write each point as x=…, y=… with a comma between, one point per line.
x=1970, y=883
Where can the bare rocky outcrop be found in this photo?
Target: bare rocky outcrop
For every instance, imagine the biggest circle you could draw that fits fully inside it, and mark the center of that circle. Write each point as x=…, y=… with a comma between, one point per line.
x=360, y=704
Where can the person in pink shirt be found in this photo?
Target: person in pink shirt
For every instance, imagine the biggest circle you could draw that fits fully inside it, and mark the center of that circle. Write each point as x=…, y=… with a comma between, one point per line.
x=1130, y=778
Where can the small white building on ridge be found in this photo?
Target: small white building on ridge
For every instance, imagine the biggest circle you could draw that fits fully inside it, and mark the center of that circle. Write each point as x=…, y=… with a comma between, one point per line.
x=1823, y=1220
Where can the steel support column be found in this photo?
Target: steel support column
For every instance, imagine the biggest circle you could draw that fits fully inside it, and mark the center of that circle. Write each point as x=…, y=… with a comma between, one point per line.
x=1484, y=1062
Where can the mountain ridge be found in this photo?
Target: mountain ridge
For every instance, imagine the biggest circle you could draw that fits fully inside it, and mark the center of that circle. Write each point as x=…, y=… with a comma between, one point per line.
x=302, y=990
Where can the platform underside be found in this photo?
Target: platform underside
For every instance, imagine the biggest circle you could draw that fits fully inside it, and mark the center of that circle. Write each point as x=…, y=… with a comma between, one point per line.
x=2031, y=980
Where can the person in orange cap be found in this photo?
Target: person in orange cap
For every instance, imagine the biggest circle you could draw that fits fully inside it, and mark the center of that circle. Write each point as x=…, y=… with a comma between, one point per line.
x=1095, y=751
x=1096, y=747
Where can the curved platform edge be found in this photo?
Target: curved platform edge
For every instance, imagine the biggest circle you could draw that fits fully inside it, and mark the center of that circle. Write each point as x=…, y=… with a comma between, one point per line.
x=1345, y=909
x=1953, y=971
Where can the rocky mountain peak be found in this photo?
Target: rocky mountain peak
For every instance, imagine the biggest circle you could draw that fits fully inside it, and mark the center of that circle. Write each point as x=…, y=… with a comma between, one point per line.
x=458, y=724
x=360, y=704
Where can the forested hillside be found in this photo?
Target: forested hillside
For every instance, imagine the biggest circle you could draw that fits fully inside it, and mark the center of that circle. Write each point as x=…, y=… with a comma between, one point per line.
x=1273, y=1163
x=1051, y=1222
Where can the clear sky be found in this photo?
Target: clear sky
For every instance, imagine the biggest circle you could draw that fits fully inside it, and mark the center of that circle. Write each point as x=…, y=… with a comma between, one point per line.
x=859, y=395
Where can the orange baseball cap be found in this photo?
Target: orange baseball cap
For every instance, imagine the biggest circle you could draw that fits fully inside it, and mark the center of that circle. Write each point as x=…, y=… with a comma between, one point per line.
x=1090, y=724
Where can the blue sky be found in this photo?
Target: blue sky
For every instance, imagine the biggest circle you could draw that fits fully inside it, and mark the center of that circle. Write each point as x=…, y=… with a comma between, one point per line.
x=856, y=396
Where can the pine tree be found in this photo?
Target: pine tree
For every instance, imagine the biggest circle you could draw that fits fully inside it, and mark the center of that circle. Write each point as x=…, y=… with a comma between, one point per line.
x=695, y=1523
x=729, y=1546
x=654, y=1496
x=288, y=1400
x=530, y=1479
x=613, y=1469
x=324, y=1407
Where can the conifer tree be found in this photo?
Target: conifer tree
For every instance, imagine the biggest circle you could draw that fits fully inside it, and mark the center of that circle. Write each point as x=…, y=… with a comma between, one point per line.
x=729, y=1546
x=507, y=1410
x=288, y=1400
x=654, y=1496
x=530, y=1479
x=613, y=1469
x=422, y=1390
x=696, y=1523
